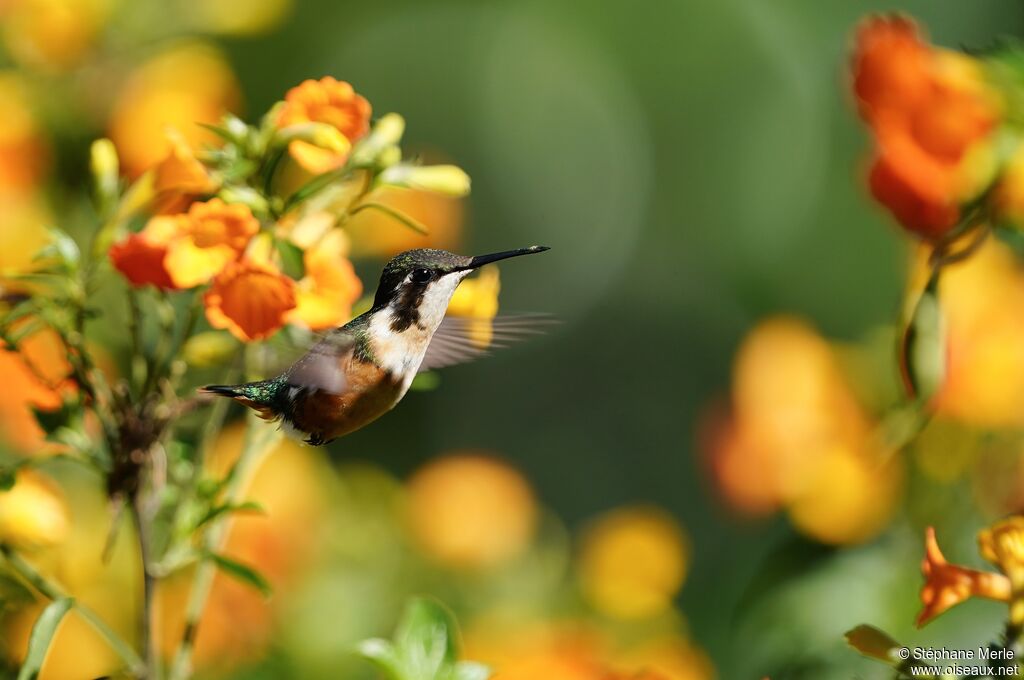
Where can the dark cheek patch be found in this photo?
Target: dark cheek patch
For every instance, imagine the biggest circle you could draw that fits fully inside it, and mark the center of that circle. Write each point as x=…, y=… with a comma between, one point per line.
x=407, y=307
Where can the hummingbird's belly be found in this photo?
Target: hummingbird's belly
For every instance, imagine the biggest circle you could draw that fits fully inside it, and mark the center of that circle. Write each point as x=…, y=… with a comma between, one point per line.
x=325, y=416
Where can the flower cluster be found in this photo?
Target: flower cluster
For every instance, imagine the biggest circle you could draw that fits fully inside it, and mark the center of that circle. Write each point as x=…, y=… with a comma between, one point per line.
x=798, y=437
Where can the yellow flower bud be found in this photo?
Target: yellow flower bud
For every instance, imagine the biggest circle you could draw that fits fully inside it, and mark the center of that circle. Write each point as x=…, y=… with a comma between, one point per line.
x=32, y=513
x=389, y=129
x=210, y=349
x=319, y=134
x=450, y=180
x=103, y=163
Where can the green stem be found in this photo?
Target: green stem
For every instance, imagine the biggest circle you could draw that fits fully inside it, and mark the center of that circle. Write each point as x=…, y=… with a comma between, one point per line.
x=53, y=592
x=407, y=220
x=259, y=439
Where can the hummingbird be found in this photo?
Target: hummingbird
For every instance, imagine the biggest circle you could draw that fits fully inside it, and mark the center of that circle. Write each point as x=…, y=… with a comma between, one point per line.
x=360, y=371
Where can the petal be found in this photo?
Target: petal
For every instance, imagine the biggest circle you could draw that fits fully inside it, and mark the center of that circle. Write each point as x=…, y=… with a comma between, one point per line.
x=250, y=299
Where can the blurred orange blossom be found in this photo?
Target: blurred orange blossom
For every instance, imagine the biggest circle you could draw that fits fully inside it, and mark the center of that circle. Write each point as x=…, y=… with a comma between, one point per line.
x=932, y=114
x=502, y=521
x=798, y=438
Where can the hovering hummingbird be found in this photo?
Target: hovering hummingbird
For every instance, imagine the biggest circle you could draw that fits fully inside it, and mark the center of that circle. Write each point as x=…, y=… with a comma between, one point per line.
x=358, y=372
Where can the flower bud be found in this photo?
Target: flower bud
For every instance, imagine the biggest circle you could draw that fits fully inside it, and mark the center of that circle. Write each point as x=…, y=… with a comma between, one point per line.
x=246, y=196
x=319, y=134
x=103, y=163
x=450, y=180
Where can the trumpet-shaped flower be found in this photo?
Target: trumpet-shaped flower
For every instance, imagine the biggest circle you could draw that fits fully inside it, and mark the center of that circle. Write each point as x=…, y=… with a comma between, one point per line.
x=212, y=234
x=180, y=172
x=325, y=295
x=141, y=256
x=947, y=585
x=328, y=101
x=251, y=299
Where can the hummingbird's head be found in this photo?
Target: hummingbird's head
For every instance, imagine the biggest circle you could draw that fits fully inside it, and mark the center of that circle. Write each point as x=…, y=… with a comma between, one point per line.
x=416, y=286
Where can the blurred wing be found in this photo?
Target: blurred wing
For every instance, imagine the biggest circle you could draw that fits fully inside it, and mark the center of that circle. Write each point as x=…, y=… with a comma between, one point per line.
x=458, y=340
x=322, y=367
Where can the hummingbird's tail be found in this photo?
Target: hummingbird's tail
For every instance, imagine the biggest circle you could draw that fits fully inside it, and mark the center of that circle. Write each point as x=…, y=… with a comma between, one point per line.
x=256, y=395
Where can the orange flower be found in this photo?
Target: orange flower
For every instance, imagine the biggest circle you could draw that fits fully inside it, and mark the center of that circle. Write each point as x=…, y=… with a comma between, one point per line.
x=141, y=256
x=213, y=234
x=324, y=297
x=947, y=585
x=329, y=101
x=933, y=115
x=251, y=299
x=24, y=390
x=180, y=172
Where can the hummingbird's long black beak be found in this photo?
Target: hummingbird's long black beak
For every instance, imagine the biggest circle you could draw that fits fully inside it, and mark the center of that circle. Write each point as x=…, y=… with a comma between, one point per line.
x=481, y=260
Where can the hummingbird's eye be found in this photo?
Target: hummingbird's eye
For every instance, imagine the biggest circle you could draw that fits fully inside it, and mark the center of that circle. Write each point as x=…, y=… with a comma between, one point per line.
x=421, y=275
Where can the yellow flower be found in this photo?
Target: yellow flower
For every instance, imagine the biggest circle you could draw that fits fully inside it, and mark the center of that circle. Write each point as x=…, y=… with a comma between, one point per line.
x=1002, y=544
x=477, y=299
x=22, y=223
x=53, y=34
x=985, y=368
x=450, y=180
x=325, y=295
x=947, y=585
x=187, y=84
x=502, y=521
x=633, y=562
x=24, y=153
x=848, y=496
x=328, y=101
x=32, y=513
x=237, y=17
x=250, y=299
x=213, y=234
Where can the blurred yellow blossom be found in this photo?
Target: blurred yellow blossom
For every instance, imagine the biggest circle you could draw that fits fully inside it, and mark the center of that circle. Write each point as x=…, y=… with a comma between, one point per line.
x=376, y=234
x=633, y=561
x=33, y=513
x=477, y=299
x=1002, y=544
x=798, y=438
x=502, y=520
x=237, y=17
x=947, y=585
x=177, y=88
x=985, y=376
x=53, y=34
x=23, y=223
x=24, y=152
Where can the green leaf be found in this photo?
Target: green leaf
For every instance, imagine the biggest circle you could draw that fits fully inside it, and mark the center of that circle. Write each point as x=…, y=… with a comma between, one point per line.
x=241, y=572
x=216, y=511
x=426, y=639
x=471, y=670
x=291, y=258
x=381, y=653
x=42, y=634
